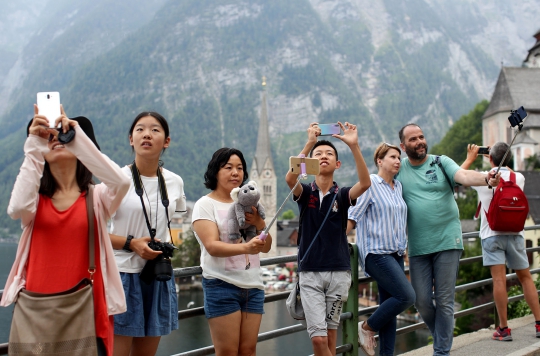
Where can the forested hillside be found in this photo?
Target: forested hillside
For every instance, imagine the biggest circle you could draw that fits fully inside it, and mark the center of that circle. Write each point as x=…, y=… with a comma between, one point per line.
x=379, y=64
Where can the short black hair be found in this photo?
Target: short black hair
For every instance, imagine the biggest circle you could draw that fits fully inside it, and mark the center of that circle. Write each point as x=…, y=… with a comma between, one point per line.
x=497, y=152
x=220, y=159
x=324, y=143
x=162, y=121
x=403, y=129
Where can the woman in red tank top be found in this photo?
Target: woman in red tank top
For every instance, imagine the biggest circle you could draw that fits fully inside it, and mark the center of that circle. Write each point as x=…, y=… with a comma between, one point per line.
x=58, y=254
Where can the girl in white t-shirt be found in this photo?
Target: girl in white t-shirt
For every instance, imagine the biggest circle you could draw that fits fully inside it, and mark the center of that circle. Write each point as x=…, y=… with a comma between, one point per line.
x=233, y=289
x=152, y=307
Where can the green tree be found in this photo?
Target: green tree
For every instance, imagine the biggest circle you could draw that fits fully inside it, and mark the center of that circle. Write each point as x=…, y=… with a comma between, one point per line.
x=288, y=215
x=467, y=204
x=189, y=252
x=519, y=308
x=532, y=163
x=468, y=129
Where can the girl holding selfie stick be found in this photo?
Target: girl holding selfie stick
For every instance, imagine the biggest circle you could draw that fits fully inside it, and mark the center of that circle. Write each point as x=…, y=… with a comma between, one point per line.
x=49, y=196
x=152, y=307
x=233, y=289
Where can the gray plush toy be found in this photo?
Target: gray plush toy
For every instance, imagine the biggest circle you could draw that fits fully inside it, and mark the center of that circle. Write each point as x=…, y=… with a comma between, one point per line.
x=244, y=198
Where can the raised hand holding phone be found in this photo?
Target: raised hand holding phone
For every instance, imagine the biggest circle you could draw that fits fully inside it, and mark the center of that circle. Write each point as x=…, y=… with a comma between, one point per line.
x=40, y=125
x=350, y=134
x=483, y=150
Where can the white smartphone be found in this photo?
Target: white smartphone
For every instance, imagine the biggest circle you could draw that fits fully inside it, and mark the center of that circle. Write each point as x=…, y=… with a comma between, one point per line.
x=312, y=165
x=49, y=106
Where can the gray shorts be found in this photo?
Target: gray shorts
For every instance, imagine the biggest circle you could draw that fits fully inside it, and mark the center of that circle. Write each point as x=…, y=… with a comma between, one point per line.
x=501, y=249
x=323, y=295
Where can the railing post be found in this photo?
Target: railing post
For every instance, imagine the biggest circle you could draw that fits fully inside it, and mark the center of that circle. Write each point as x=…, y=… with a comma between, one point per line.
x=350, y=326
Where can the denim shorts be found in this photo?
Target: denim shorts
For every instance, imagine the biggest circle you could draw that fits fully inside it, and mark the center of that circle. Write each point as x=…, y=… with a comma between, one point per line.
x=152, y=309
x=502, y=249
x=222, y=298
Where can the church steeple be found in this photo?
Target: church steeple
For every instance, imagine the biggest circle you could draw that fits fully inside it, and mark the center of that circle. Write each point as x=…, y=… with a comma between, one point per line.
x=262, y=169
x=263, y=154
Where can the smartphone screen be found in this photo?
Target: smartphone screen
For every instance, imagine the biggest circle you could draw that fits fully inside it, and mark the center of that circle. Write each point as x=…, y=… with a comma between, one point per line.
x=329, y=129
x=312, y=165
x=49, y=106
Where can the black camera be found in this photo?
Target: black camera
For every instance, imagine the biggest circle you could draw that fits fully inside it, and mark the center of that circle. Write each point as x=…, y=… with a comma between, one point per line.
x=517, y=116
x=160, y=268
x=164, y=247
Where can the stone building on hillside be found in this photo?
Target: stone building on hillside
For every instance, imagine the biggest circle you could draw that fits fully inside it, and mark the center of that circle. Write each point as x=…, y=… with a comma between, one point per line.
x=519, y=86
x=516, y=86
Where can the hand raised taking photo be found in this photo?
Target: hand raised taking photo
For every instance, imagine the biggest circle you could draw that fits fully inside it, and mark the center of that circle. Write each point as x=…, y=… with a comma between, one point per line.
x=350, y=134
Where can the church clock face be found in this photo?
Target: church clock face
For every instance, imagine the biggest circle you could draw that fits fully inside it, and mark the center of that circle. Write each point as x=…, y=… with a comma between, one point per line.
x=267, y=173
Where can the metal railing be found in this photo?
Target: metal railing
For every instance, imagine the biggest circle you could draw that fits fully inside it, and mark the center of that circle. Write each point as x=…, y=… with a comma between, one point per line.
x=351, y=312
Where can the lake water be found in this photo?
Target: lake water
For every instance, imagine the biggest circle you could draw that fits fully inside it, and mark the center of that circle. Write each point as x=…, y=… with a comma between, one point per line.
x=194, y=333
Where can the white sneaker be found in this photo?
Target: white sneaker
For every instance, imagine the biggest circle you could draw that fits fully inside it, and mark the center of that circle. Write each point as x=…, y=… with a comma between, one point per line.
x=366, y=340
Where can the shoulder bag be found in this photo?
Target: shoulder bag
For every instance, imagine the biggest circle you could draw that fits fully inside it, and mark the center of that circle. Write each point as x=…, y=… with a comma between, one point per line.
x=58, y=323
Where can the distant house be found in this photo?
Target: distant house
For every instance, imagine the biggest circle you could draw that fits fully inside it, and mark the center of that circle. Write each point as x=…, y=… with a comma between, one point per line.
x=287, y=237
x=516, y=86
x=181, y=223
x=519, y=86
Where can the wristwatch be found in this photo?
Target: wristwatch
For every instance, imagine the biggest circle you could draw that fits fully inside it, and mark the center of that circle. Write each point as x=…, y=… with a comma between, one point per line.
x=128, y=242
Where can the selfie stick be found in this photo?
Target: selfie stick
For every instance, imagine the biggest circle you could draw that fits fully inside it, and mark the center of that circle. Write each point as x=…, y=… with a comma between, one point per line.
x=303, y=175
x=520, y=126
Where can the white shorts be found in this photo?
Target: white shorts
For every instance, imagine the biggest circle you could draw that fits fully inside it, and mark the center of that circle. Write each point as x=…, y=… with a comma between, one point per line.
x=505, y=249
x=323, y=295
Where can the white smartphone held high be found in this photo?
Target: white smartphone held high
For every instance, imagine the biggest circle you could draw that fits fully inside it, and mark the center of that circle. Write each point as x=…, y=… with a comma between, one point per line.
x=329, y=129
x=312, y=165
x=49, y=106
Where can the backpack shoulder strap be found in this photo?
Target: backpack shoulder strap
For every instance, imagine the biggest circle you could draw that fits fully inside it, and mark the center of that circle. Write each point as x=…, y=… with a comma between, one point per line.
x=513, y=177
x=437, y=161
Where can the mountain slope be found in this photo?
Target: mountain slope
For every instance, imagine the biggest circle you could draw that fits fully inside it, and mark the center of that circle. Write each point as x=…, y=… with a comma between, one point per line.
x=379, y=64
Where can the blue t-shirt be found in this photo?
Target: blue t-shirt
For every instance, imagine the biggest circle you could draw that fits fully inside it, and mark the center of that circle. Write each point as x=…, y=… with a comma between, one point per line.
x=330, y=252
x=433, y=217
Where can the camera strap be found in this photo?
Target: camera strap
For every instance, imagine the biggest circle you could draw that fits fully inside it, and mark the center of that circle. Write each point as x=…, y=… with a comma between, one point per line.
x=164, y=198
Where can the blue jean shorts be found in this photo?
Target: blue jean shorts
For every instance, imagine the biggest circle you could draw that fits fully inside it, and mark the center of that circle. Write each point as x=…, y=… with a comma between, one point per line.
x=152, y=309
x=222, y=298
x=502, y=249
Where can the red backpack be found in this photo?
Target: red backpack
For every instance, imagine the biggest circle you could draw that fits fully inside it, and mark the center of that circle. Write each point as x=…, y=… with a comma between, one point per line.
x=509, y=207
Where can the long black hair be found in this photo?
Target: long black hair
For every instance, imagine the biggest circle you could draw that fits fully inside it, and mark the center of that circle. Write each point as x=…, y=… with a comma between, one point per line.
x=48, y=185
